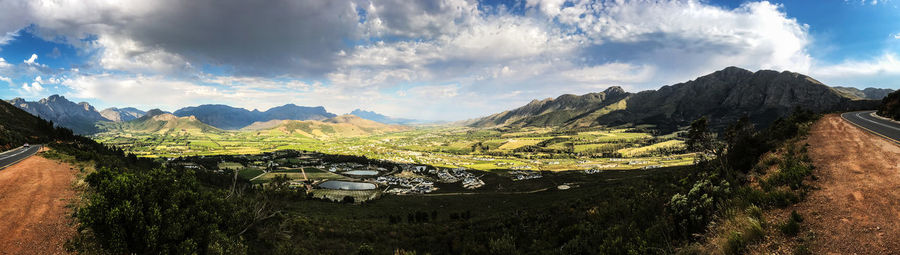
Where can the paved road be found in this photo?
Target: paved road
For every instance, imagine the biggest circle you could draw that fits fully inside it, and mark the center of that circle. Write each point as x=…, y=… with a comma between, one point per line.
x=881, y=127
x=11, y=157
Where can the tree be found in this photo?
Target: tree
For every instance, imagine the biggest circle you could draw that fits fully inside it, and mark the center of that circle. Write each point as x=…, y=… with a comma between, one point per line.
x=698, y=136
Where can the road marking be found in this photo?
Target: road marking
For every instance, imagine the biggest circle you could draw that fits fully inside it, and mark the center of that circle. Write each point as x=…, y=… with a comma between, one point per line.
x=869, y=130
x=20, y=160
x=882, y=124
x=15, y=154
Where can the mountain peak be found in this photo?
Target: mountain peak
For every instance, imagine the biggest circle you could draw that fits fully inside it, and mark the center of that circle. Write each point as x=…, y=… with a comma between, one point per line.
x=154, y=112
x=614, y=90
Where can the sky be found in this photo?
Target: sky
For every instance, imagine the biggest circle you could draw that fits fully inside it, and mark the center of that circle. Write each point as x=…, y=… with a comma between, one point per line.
x=430, y=60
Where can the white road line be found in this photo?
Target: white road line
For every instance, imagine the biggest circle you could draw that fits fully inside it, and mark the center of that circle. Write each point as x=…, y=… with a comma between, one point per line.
x=10, y=151
x=882, y=124
x=16, y=154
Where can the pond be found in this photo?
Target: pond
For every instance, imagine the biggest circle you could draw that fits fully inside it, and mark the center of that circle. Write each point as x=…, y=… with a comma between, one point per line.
x=344, y=185
x=362, y=172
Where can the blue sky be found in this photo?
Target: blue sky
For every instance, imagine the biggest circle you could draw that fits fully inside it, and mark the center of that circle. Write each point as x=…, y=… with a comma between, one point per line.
x=440, y=60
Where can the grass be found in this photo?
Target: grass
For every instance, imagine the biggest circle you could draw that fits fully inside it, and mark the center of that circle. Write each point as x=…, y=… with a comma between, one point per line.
x=535, y=148
x=248, y=174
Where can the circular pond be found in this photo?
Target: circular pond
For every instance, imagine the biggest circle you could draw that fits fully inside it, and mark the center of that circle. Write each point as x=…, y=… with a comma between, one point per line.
x=362, y=172
x=345, y=185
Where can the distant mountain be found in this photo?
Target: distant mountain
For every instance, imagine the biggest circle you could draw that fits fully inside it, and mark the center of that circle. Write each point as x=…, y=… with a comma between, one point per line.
x=867, y=93
x=724, y=96
x=124, y=114
x=227, y=117
x=890, y=106
x=18, y=127
x=373, y=116
x=80, y=117
x=339, y=126
x=158, y=121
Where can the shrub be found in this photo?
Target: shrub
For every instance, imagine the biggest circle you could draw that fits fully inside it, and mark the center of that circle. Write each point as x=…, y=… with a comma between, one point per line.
x=792, y=226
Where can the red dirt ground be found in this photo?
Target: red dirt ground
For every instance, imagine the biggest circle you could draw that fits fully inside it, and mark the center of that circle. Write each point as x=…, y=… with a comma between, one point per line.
x=33, y=214
x=856, y=208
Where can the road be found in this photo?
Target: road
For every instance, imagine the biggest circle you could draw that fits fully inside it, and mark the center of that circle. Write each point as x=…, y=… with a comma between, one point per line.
x=886, y=129
x=11, y=157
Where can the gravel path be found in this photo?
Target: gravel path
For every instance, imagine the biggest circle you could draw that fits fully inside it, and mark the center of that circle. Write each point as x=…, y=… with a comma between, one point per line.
x=33, y=214
x=856, y=208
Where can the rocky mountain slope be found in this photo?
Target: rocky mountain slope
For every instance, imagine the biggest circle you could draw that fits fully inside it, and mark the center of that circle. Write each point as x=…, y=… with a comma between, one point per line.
x=227, y=117
x=80, y=117
x=556, y=112
x=867, y=93
x=123, y=114
x=18, y=127
x=339, y=126
x=723, y=96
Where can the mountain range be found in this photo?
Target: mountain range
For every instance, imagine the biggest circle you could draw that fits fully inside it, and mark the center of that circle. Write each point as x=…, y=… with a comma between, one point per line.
x=158, y=121
x=231, y=118
x=339, y=126
x=723, y=96
x=373, y=116
x=867, y=93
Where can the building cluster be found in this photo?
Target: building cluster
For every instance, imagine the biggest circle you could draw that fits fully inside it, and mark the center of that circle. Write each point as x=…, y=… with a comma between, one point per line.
x=404, y=185
x=525, y=175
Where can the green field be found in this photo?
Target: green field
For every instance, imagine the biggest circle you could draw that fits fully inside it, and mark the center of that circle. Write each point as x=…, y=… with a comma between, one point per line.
x=622, y=147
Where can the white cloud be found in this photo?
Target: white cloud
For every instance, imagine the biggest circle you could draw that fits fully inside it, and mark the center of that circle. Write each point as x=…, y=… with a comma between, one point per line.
x=32, y=60
x=138, y=90
x=121, y=53
x=4, y=64
x=886, y=64
x=6, y=79
x=611, y=73
x=326, y=53
x=34, y=89
x=432, y=92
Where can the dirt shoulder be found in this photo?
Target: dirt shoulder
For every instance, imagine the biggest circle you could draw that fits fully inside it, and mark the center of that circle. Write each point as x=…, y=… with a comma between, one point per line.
x=856, y=206
x=33, y=198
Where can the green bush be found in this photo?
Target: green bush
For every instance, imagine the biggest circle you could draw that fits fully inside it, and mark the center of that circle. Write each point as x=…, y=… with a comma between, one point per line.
x=792, y=226
x=157, y=211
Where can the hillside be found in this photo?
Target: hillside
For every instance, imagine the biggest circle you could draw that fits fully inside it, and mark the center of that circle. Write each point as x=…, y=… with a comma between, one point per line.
x=340, y=126
x=556, y=112
x=890, y=106
x=123, y=114
x=18, y=127
x=80, y=118
x=157, y=121
x=227, y=117
x=867, y=93
x=724, y=96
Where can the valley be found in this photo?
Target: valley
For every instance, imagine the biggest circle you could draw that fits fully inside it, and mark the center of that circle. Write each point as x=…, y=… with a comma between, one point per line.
x=538, y=149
